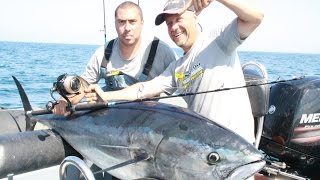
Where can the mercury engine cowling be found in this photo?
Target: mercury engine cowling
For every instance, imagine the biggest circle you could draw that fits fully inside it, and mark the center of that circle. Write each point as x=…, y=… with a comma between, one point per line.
x=291, y=130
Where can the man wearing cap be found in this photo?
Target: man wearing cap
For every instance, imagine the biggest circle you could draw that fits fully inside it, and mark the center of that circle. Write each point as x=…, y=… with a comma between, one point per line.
x=210, y=62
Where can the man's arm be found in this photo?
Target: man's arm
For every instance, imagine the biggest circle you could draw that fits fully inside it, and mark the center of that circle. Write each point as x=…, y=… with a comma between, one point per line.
x=137, y=91
x=249, y=16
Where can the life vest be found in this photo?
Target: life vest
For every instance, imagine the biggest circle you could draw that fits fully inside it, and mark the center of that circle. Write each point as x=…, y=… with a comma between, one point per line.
x=116, y=80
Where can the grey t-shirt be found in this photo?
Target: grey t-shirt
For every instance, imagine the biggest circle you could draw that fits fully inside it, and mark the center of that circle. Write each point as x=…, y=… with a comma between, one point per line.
x=133, y=67
x=212, y=63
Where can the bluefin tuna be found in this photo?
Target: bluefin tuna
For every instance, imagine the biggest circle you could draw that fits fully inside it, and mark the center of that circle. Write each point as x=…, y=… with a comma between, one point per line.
x=154, y=140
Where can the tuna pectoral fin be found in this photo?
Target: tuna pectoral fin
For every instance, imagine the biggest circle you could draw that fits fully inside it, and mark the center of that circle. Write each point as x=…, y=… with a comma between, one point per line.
x=137, y=159
x=139, y=155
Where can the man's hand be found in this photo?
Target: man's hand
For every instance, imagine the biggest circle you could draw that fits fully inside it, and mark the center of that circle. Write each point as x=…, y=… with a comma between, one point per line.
x=198, y=5
x=94, y=94
x=61, y=108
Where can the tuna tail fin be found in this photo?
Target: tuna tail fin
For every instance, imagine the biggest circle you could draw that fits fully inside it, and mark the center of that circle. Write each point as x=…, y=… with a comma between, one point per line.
x=26, y=105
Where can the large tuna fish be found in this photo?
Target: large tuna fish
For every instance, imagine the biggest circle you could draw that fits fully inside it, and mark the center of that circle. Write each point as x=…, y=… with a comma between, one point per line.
x=153, y=140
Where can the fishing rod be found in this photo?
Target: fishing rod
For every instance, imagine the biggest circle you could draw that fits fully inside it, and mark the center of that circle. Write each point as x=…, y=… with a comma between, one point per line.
x=104, y=24
x=203, y=92
x=100, y=105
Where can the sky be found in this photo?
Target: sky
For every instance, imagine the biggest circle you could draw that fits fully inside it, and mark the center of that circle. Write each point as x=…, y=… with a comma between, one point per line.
x=288, y=25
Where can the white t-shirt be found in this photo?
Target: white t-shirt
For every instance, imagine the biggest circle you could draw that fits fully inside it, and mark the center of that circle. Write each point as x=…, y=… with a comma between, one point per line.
x=212, y=63
x=134, y=67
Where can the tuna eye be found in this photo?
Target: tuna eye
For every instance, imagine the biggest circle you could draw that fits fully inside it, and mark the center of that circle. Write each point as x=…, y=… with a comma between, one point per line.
x=213, y=158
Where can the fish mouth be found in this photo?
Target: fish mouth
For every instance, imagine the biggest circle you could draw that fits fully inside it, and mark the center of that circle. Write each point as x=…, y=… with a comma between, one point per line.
x=247, y=170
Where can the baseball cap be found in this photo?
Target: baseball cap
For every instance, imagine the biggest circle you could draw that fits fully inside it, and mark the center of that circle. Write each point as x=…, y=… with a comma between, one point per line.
x=171, y=7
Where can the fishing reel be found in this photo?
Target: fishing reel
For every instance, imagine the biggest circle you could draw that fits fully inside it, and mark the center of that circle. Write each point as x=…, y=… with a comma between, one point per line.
x=66, y=85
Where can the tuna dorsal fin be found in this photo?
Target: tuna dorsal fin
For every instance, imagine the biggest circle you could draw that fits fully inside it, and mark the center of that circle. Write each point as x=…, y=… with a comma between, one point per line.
x=26, y=105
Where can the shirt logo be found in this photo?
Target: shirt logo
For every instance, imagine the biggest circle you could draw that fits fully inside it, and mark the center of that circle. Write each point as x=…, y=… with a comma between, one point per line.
x=185, y=79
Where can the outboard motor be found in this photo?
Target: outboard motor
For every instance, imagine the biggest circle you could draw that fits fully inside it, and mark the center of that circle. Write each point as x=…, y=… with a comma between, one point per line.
x=291, y=131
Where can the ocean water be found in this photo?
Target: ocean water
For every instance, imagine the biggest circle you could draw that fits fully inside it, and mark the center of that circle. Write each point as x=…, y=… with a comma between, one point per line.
x=37, y=65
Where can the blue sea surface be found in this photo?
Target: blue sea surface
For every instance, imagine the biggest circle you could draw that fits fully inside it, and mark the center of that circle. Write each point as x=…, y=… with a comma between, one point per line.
x=37, y=66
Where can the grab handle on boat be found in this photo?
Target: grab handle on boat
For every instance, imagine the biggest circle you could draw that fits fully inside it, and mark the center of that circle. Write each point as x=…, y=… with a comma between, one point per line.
x=79, y=164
